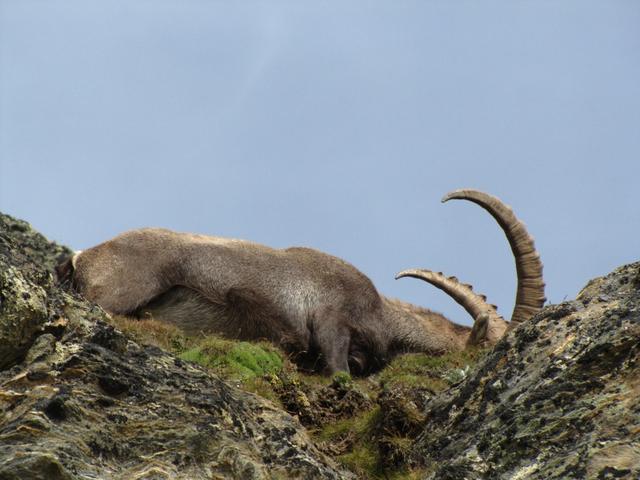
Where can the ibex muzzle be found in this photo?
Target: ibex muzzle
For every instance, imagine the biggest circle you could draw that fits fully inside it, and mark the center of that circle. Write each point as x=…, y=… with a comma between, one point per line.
x=316, y=306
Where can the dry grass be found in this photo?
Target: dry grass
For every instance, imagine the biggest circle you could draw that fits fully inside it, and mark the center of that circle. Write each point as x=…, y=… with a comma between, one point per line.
x=152, y=332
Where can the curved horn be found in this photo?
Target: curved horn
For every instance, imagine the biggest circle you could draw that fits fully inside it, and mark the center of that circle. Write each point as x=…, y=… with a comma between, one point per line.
x=488, y=326
x=530, y=293
x=475, y=304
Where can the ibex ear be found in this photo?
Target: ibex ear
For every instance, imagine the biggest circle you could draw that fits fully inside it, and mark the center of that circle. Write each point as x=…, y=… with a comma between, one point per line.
x=487, y=329
x=479, y=331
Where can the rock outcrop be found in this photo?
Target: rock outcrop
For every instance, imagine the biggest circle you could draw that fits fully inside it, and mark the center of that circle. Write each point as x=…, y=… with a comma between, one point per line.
x=78, y=399
x=557, y=398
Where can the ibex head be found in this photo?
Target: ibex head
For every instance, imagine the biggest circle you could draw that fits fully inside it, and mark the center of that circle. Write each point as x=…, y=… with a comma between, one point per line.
x=489, y=326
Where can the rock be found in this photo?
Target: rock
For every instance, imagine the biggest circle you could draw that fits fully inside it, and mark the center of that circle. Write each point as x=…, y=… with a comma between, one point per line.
x=23, y=312
x=27, y=260
x=317, y=406
x=44, y=346
x=78, y=399
x=557, y=398
x=32, y=466
x=30, y=251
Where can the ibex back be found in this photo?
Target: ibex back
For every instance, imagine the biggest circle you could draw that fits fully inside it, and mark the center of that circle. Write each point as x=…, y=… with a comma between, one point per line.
x=316, y=306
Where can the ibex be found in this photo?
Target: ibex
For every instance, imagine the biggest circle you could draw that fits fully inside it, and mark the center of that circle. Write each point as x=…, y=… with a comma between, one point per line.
x=314, y=305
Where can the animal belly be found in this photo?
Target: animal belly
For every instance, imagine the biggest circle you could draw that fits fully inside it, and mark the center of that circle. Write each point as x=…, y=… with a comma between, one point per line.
x=236, y=316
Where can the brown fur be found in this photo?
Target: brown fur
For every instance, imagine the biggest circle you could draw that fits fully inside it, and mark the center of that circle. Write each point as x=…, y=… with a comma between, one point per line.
x=311, y=303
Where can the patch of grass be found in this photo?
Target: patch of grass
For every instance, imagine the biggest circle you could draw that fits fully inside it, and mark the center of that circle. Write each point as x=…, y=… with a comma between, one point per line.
x=242, y=360
x=362, y=460
x=255, y=360
x=361, y=425
x=244, y=363
x=152, y=332
x=354, y=440
x=434, y=373
x=406, y=474
x=343, y=379
x=361, y=455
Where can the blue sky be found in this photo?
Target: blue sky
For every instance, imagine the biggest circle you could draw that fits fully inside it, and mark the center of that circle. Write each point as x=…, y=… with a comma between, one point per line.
x=337, y=125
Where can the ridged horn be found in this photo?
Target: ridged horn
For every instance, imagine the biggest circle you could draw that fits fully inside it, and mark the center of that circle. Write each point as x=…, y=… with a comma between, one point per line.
x=530, y=292
x=475, y=304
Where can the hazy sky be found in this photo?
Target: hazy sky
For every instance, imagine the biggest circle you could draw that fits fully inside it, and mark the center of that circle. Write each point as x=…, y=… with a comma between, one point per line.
x=332, y=124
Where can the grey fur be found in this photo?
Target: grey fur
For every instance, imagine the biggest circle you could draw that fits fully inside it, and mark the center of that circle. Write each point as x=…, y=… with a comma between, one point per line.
x=311, y=303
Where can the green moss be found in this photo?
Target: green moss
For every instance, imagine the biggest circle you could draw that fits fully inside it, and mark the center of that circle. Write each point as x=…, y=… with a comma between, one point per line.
x=240, y=359
x=342, y=379
x=254, y=360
